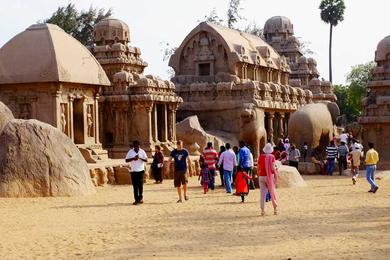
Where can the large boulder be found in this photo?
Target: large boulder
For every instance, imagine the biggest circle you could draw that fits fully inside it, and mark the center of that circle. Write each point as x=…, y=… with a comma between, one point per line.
x=5, y=115
x=289, y=177
x=39, y=160
x=190, y=131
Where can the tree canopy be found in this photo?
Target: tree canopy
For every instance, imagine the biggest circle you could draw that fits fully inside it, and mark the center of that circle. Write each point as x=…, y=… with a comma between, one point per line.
x=79, y=24
x=233, y=15
x=350, y=96
x=332, y=11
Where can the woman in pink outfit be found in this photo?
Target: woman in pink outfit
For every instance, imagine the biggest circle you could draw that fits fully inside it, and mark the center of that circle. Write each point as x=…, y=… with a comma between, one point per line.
x=268, y=177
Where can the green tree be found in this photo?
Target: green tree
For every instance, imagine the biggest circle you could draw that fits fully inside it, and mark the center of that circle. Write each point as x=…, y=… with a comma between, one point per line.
x=350, y=96
x=79, y=24
x=212, y=17
x=253, y=28
x=332, y=12
x=358, y=80
x=233, y=15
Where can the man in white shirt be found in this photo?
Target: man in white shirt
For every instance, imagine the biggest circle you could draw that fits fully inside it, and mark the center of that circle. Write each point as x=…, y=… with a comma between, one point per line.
x=229, y=161
x=137, y=158
x=344, y=137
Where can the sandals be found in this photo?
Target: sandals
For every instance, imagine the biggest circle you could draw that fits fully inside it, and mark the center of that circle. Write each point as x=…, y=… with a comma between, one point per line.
x=179, y=201
x=186, y=197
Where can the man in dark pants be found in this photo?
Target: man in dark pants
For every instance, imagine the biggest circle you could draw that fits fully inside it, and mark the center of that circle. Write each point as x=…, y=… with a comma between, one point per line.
x=137, y=158
x=342, y=151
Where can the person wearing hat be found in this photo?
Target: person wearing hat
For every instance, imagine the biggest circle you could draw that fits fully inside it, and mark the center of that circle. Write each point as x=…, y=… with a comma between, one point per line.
x=268, y=177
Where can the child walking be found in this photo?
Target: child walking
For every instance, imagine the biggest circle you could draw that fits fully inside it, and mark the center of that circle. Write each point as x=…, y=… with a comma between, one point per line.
x=242, y=188
x=204, y=176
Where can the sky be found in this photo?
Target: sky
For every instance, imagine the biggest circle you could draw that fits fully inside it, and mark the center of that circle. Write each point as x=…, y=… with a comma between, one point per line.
x=153, y=22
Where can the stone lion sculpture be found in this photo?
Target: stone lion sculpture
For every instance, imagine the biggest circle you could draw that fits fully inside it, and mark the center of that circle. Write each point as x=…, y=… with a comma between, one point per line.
x=252, y=128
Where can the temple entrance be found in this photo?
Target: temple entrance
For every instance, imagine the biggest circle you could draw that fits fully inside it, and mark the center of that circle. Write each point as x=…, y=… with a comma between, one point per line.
x=78, y=121
x=160, y=122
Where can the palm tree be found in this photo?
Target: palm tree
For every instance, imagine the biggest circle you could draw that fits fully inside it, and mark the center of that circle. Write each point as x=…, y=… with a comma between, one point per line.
x=332, y=12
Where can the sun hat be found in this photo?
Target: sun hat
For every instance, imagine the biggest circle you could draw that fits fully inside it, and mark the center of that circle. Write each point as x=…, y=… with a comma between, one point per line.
x=268, y=148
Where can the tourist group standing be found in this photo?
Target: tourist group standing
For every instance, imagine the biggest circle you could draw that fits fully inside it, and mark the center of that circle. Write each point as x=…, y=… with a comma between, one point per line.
x=235, y=166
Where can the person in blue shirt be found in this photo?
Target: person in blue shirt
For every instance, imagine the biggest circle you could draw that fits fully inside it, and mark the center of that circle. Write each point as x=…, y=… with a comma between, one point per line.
x=246, y=160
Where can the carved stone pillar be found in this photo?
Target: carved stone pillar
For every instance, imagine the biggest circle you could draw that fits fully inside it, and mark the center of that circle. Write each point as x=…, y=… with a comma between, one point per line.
x=270, y=130
x=154, y=123
x=165, y=124
x=286, y=118
x=96, y=118
x=70, y=124
x=149, y=109
x=170, y=123
x=280, y=124
x=174, y=124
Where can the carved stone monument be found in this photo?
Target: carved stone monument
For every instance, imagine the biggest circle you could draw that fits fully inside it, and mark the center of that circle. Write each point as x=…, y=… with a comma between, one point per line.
x=134, y=106
x=376, y=115
x=48, y=75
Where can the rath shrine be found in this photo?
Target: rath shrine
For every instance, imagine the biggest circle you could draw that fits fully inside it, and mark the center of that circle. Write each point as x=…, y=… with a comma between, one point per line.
x=242, y=86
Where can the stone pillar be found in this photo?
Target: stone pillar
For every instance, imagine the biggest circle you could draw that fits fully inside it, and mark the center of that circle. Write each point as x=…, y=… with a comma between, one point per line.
x=165, y=125
x=287, y=116
x=70, y=123
x=170, y=122
x=280, y=124
x=174, y=124
x=149, y=109
x=154, y=123
x=56, y=110
x=96, y=118
x=270, y=130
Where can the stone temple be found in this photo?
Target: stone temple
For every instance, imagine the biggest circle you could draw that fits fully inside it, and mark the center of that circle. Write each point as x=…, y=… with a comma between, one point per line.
x=376, y=115
x=48, y=75
x=133, y=106
x=243, y=87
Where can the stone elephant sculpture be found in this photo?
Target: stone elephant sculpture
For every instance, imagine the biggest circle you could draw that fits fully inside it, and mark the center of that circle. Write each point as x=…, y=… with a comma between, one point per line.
x=313, y=124
x=252, y=129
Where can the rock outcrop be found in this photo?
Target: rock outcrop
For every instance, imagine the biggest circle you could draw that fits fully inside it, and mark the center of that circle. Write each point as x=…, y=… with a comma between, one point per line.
x=38, y=160
x=289, y=177
x=190, y=132
x=5, y=115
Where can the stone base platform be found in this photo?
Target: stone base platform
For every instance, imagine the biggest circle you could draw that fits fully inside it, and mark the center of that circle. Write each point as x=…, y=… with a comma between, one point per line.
x=117, y=171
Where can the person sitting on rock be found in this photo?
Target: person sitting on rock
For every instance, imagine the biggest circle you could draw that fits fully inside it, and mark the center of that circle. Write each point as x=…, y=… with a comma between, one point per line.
x=317, y=159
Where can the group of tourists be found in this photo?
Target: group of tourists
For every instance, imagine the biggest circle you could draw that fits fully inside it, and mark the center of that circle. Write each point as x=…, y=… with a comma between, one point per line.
x=235, y=166
x=347, y=148
x=288, y=153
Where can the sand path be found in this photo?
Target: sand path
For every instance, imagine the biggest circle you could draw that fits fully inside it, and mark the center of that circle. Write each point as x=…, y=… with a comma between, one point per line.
x=328, y=219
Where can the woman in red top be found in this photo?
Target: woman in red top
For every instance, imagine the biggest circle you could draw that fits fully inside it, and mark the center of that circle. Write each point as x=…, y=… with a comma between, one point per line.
x=268, y=177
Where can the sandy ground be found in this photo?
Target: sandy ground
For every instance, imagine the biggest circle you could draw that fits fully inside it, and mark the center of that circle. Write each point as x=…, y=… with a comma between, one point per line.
x=329, y=219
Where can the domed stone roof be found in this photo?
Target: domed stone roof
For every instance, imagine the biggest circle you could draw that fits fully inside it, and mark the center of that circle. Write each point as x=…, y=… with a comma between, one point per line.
x=111, y=30
x=383, y=50
x=45, y=53
x=278, y=24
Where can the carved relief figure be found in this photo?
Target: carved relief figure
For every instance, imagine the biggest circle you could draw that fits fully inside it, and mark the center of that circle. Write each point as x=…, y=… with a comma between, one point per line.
x=90, y=120
x=25, y=111
x=63, y=119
